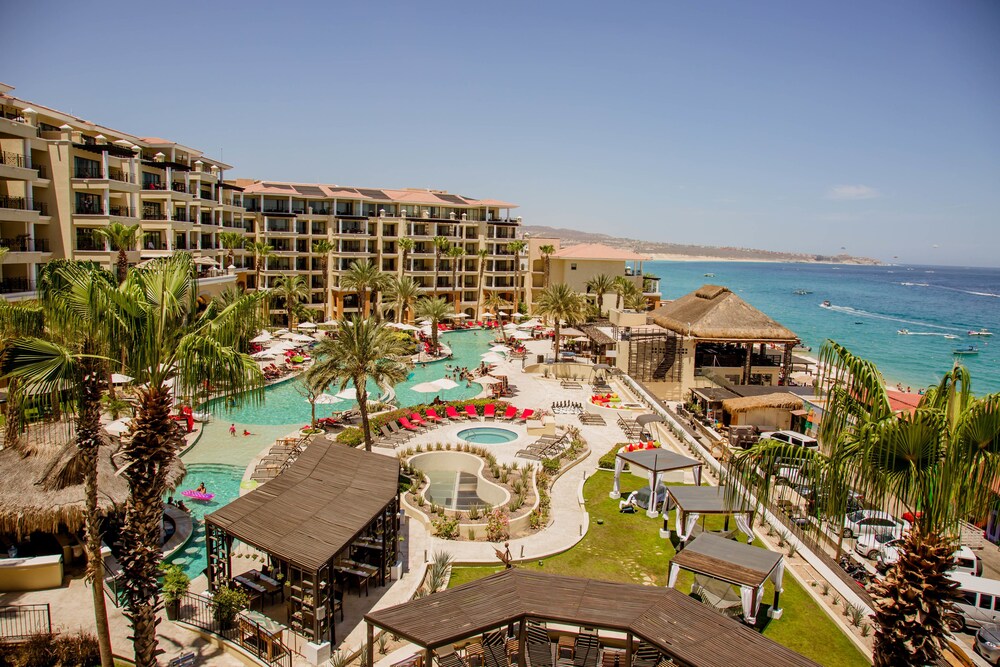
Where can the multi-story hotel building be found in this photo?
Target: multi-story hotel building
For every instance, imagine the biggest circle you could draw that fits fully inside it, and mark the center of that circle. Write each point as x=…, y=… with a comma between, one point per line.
x=63, y=177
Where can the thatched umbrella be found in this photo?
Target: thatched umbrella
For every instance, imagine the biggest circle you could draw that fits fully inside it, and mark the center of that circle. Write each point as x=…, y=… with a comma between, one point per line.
x=43, y=490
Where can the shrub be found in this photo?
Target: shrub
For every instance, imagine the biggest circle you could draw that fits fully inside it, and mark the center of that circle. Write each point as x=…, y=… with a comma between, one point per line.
x=383, y=643
x=607, y=462
x=474, y=513
x=498, y=525
x=551, y=466
x=175, y=583
x=856, y=614
x=77, y=649
x=866, y=629
x=446, y=528
x=228, y=602
x=535, y=519
x=472, y=534
x=826, y=588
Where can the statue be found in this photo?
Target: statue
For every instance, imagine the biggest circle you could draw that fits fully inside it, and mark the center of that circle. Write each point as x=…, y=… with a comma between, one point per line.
x=504, y=556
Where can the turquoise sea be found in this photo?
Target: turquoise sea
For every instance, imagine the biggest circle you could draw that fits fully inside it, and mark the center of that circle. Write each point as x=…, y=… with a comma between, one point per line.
x=868, y=305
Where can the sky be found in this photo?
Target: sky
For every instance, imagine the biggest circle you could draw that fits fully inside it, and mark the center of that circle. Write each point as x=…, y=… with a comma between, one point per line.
x=862, y=127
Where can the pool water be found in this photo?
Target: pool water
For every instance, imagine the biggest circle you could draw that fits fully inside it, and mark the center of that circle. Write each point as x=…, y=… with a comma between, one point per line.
x=488, y=435
x=286, y=403
x=224, y=482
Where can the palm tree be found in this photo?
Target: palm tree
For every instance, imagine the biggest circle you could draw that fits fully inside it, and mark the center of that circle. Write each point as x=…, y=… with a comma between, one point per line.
x=171, y=341
x=634, y=300
x=121, y=238
x=560, y=302
x=294, y=290
x=600, y=285
x=261, y=250
x=517, y=247
x=402, y=293
x=364, y=278
x=939, y=463
x=546, y=251
x=621, y=286
x=80, y=335
x=434, y=310
x=3, y=254
x=455, y=253
x=440, y=246
x=405, y=246
x=231, y=241
x=495, y=302
x=362, y=350
x=323, y=248
x=482, y=254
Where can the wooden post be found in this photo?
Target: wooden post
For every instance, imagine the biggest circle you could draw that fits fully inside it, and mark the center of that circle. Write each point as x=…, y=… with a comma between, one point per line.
x=787, y=362
x=428, y=657
x=522, y=659
x=370, y=658
x=747, y=364
x=628, y=650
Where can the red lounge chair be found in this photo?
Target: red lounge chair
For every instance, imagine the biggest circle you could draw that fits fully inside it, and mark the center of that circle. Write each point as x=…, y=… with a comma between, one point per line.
x=433, y=416
x=451, y=413
x=526, y=415
x=509, y=414
x=471, y=411
x=405, y=423
x=490, y=412
x=417, y=419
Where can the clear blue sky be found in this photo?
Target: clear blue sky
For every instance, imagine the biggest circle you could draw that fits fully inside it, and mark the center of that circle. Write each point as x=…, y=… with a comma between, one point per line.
x=873, y=126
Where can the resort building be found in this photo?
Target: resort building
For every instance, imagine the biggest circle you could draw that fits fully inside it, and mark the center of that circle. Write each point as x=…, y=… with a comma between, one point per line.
x=576, y=265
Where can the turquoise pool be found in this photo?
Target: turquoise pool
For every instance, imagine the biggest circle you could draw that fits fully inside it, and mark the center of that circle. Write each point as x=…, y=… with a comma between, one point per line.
x=488, y=435
x=224, y=482
x=285, y=403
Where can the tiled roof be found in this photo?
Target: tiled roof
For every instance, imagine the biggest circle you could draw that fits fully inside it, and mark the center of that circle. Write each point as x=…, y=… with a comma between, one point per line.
x=403, y=196
x=597, y=251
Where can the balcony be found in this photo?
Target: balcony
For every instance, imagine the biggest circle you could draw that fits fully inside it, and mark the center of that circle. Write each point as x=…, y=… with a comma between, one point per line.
x=116, y=174
x=155, y=186
x=23, y=243
x=14, y=285
x=88, y=172
x=153, y=214
x=90, y=244
x=13, y=160
x=180, y=217
x=121, y=211
x=178, y=186
x=22, y=204
x=88, y=207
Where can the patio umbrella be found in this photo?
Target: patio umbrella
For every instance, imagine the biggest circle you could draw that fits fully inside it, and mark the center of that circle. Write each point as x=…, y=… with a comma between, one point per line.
x=488, y=380
x=491, y=358
x=488, y=316
x=326, y=399
x=263, y=337
x=280, y=331
x=580, y=339
x=349, y=394
x=265, y=354
x=602, y=367
x=307, y=325
x=529, y=324
x=205, y=261
x=518, y=316
x=505, y=312
x=457, y=316
x=302, y=338
x=520, y=335
x=425, y=388
x=499, y=348
x=330, y=323
x=118, y=378
x=426, y=323
x=642, y=420
x=445, y=384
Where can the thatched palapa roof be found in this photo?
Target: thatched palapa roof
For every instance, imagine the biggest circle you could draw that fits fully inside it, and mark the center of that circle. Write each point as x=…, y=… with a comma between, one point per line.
x=43, y=490
x=779, y=400
x=712, y=312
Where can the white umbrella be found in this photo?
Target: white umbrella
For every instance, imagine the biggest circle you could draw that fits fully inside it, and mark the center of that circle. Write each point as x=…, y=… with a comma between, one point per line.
x=488, y=316
x=325, y=399
x=302, y=338
x=118, y=378
x=263, y=337
x=499, y=348
x=349, y=394
x=488, y=380
x=307, y=325
x=458, y=316
x=425, y=388
x=425, y=322
x=445, y=383
x=529, y=324
x=520, y=335
x=505, y=312
x=118, y=426
x=265, y=354
x=492, y=358
x=518, y=316
x=205, y=261
x=280, y=331
x=330, y=323
x=402, y=326
x=580, y=339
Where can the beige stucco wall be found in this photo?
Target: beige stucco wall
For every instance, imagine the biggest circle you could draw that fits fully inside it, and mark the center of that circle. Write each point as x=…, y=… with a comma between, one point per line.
x=30, y=574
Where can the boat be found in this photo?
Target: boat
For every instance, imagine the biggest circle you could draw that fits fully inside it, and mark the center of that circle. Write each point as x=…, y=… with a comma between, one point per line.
x=802, y=292
x=197, y=495
x=971, y=349
x=825, y=304
x=981, y=332
x=709, y=275
x=950, y=336
x=903, y=332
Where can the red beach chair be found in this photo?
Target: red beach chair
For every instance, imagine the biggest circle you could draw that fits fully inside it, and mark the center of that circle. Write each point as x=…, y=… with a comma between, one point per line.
x=526, y=415
x=432, y=415
x=471, y=411
x=509, y=414
x=490, y=412
x=405, y=423
x=417, y=419
x=451, y=413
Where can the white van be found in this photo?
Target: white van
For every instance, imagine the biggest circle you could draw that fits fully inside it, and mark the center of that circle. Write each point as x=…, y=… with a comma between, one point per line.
x=792, y=438
x=980, y=602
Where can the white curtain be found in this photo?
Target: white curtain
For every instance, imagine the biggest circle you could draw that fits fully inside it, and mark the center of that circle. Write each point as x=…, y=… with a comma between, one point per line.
x=743, y=523
x=777, y=577
x=685, y=526
x=654, y=480
x=672, y=577
x=666, y=503
x=750, y=597
x=616, y=489
x=697, y=475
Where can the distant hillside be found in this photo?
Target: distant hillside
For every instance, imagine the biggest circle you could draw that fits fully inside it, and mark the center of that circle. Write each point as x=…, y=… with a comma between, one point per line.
x=678, y=251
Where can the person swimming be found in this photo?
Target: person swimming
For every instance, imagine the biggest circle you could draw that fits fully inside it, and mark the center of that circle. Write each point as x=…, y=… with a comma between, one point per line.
x=201, y=488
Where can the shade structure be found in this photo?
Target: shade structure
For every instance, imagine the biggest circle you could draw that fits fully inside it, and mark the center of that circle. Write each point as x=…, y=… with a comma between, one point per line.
x=280, y=331
x=491, y=357
x=581, y=339
x=263, y=337
x=425, y=388
x=518, y=316
x=488, y=380
x=488, y=316
x=265, y=354
x=330, y=323
x=425, y=323
x=602, y=367
x=693, y=502
x=642, y=420
x=204, y=261
x=445, y=383
x=118, y=378
x=326, y=399
x=403, y=326
x=350, y=394
x=570, y=332
x=520, y=335
x=499, y=348
x=656, y=462
x=307, y=325
x=529, y=324
x=457, y=316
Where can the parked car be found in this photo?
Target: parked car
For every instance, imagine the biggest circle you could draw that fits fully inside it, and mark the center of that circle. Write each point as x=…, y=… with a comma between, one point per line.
x=875, y=543
x=987, y=643
x=868, y=522
x=978, y=605
x=966, y=561
x=792, y=438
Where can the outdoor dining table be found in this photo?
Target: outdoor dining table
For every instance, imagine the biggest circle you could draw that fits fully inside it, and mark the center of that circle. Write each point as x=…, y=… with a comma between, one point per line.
x=362, y=573
x=266, y=633
x=272, y=587
x=256, y=590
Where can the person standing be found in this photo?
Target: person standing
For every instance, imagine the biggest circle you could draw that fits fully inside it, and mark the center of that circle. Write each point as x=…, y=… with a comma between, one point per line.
x=232, y=430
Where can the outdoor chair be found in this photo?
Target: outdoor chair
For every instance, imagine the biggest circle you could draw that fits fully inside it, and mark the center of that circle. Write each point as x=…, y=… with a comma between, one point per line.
x=494, y=649
x=490, y=412
x=415, y=660
x=402, y=435
x=539, y=646
x=470, y=410
x=452, y=414
x=433, y=416
x=388, y=436
x=407, y=424
x=416, y=419
x=526, y=415
x=509, y=414
x=646, y=655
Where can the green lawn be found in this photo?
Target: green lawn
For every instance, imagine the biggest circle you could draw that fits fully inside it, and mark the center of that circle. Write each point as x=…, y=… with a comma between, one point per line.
x=628, y=548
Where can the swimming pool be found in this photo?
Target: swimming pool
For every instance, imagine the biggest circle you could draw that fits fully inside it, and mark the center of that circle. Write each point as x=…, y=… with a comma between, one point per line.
x=224, y=482
x=488, y=435
x=286, y=403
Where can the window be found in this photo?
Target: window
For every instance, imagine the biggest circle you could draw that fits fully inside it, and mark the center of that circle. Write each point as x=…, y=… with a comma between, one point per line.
x=84, y=168
x=996, y=603
x=572, y=267
x=970, y=598
x=985, y=601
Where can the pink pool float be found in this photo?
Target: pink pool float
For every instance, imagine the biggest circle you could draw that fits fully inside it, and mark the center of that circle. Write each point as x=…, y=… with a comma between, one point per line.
x=197, y=495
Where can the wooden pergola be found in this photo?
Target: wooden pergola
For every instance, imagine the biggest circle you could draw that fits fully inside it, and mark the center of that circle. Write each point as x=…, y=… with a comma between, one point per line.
x=313, y=520
x=693, y=502
x=513, y=602
x=733, y=563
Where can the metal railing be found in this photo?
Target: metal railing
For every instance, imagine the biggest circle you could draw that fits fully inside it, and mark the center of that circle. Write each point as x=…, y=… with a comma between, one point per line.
x=244, y=632
x=178, y=186
x=153, y=185
x=21, y=204
x=153, y=214
x=24, y=244
x=12, y=159
x=21, y=621
x=15, y=285
x=88, y=208
x=116, y=174
x=88, y=172
x=90, y=244
x=121, y=211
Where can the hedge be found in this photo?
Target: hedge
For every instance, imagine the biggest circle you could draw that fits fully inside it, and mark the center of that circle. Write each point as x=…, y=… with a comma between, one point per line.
x=353, y=437
x=607, y=462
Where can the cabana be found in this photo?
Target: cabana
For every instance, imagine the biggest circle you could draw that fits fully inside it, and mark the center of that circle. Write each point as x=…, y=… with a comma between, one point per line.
x=766, y=411
x=312, y=520
x=642, y=420
x=517, y=602
x=656, y=462
x=693, y=502
x=736, y=564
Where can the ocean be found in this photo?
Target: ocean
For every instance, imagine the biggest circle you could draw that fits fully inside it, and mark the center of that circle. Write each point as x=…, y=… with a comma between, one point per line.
x=868, y=305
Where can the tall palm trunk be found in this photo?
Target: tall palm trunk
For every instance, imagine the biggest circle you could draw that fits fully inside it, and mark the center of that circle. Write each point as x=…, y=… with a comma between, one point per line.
x=555, y=341
x=363, y=299
x=517, y=282
x=437, y=266
x=122, y=266
x=150, y=450
x=88, y=441
x=479, y=300
x=454, y=284
x=325, y=265
x=362, y=392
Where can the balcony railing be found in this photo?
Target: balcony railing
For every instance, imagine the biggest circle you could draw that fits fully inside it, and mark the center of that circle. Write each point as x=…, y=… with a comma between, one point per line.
x=121, y=211
x=153, y=214
x=13, y=285
x=178, y=186
x=153, y=245
x=12, y=159
x=90, y=207
x=25, y=244
x=88, y=172
x=40, y=168
x=21, y=204
x=11, y=113
x=90, y=244
x=116, y=174
x=180, y=217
